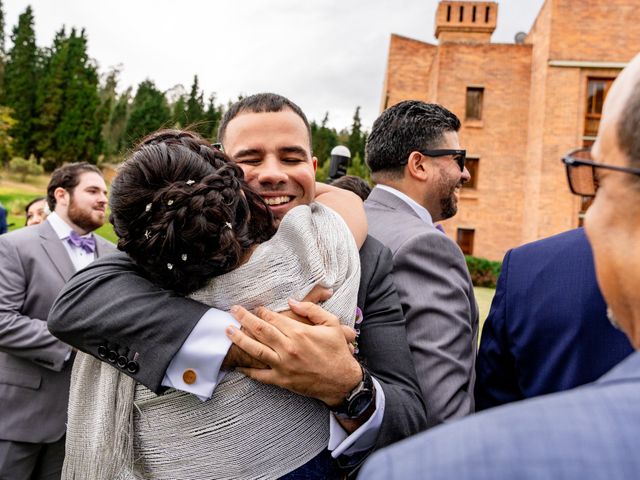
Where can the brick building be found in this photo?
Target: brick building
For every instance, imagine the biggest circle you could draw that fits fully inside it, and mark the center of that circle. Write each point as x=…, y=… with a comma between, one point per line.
x=522, y=107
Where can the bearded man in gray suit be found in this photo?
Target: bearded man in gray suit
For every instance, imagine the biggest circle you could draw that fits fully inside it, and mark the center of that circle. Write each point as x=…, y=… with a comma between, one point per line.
x=415, y=159
x=35, y=367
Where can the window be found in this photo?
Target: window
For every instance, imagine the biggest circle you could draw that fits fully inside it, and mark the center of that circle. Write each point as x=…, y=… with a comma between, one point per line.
x=448, y=13
x=486, y=15
x=461, y=13
x=465, y=240
x=597, y=89
x=473, y=15
x=474, y=103
x=472, y=166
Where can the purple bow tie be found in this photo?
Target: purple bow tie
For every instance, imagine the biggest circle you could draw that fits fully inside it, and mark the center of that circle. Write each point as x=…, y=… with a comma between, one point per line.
x=88, y=244
x=439, y=227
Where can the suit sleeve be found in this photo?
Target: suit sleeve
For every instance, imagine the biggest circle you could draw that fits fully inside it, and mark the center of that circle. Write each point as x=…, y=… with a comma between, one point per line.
x=20, y=335
x=384, y=350
x=441, y=313
x=110, y=304
x=496, y=380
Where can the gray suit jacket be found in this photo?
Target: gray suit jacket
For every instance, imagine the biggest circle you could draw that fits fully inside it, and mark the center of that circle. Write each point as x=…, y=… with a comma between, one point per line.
x=439, y=305
x=145, y=322
x=34, y=377
x=589, y=432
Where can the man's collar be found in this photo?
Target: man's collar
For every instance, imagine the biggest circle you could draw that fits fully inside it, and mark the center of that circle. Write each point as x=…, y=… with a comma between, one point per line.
x=62, y=228
x=422, y=212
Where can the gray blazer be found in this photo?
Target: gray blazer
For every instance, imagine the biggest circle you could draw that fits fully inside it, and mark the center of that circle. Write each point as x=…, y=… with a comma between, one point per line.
x=589, y=432
x=34, y=377
x=438, y=302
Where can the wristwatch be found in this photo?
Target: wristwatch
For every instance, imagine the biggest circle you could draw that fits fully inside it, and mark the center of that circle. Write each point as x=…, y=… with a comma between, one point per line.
x=358, y=400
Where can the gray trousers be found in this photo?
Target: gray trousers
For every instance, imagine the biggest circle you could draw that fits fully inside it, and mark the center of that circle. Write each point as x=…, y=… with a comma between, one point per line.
x=31, y=461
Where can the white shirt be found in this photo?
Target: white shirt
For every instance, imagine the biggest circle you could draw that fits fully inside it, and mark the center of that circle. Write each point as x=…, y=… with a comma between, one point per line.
x=78, y=256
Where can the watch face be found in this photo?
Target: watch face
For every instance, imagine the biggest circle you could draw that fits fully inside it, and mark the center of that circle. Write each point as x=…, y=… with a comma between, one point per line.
x=360, y=403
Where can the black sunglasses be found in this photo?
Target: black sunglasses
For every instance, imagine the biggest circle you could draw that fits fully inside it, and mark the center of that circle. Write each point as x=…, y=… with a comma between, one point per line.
x=581, y=171
x=458, y=155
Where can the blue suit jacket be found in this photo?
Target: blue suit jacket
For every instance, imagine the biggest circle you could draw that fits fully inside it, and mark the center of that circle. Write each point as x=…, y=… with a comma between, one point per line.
x=589, y=432
x=547, y=330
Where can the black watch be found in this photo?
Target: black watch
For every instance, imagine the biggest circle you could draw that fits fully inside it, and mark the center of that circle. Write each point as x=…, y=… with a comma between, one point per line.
x=358, y=400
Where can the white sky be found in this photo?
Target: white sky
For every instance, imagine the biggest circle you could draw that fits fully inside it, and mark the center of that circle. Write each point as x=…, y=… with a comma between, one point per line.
x=325, y=55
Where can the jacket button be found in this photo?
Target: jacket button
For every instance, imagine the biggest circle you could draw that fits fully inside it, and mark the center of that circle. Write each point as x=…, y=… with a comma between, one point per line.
x=133, y=367
x=189, y=376
x=102, y=351
x=122, y=361
x=112, y=356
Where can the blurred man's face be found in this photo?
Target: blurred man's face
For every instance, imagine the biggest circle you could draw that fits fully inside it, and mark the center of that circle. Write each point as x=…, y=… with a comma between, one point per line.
x=612, y=223
x=273, y=151
x=85, y=207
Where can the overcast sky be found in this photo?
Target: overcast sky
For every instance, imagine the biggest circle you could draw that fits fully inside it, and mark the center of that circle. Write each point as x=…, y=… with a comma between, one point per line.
x=326, y=55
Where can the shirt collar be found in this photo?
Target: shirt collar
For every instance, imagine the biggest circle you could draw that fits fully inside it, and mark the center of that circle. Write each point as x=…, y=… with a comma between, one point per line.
x=422, y=212
x=61, y=227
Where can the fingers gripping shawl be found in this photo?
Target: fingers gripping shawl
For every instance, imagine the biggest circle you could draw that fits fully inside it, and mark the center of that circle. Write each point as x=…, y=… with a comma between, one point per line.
x=247, y=429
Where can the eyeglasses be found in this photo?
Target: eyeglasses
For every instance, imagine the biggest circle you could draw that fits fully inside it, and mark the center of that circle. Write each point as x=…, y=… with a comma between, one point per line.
x=582, y=172
x=458, y=155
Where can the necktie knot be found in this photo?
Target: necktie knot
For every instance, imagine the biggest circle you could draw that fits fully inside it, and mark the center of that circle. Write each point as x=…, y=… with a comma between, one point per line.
x=88, y=244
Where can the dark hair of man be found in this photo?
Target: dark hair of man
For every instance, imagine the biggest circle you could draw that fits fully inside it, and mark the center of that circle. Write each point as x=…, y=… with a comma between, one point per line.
x=183, y=212
x=67, y=177
x=629, y=127
x=354, y=184
x=261, y=103
x=404, y=128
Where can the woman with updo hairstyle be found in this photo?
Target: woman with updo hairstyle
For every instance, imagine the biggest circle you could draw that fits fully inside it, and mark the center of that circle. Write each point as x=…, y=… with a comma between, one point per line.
x=182, y=219
x=183, y=212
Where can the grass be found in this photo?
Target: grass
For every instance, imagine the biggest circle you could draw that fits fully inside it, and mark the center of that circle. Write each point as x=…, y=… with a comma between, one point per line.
x=484, y=296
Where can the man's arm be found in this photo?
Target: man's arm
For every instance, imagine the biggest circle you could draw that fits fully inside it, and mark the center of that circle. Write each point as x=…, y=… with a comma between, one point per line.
x=21, y=335
x=496, y=380
x=110, y=304
x=433, y=282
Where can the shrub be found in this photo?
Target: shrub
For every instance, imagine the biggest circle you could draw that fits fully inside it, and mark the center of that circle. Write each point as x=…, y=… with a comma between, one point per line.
x=25, y=167
x=484, y=273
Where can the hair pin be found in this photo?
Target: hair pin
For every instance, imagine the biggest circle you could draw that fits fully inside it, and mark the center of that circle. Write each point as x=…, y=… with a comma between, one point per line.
x=184, y=257
x=190, y=182
x=228, y=225
x=170, y=202
x=148, y=207
x=146, y=234
x=170, y=266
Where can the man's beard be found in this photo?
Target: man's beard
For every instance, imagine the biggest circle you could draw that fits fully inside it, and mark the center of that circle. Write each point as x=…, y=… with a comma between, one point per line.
x=449, y=204
x=82, y=218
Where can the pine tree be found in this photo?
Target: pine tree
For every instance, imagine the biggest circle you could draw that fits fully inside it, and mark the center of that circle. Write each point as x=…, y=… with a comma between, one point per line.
x=358, y=168
x=115, y=136
x=108, y=97
x=149, y=112
x=323, y=139
x=194, y=111
x=3, y=52
x=357, y=138
x=179, y=112
x=211, y=120
x=20, y=82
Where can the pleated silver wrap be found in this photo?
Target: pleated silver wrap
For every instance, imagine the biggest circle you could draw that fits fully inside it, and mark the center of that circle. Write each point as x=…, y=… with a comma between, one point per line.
x=120, y=430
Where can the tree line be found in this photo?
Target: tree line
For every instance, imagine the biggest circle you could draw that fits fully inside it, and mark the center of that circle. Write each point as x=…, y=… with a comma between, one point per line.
x=55, y=106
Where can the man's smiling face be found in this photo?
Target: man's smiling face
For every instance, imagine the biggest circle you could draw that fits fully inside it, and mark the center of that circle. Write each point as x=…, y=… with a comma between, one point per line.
x=273, y=149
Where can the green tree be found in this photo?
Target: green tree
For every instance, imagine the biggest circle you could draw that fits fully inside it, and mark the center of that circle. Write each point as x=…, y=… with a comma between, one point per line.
x=357, y=138
x=108, y=97
x=24, y=167
x=323, y=139
x=358, y=168
x=212, y=117
x=114, y=134
x=194, y=111
x=149, y=112
x=20, y=82
x=6, y=142
x=179, y=112
x=3, y=52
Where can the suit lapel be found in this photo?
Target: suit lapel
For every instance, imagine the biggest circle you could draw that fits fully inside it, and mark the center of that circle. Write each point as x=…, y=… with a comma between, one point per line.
x=56, y=252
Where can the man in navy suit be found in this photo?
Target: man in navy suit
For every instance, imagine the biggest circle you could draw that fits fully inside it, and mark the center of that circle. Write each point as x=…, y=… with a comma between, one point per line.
x=591, y=431
x=548, y=329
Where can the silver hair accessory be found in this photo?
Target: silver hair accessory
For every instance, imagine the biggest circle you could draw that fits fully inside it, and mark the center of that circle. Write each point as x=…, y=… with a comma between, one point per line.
x=170, y=202
x=148, y=207
x=146, y=234
x=184, y=257
x=170, y=266
x=190, y=182
x=228, y=225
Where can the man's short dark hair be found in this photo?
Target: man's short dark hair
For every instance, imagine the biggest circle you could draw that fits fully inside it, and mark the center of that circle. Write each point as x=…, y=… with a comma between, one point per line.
x=629, y=127
x=261, y=103
x=67, y=177
x=354, y=184
x=404, y=128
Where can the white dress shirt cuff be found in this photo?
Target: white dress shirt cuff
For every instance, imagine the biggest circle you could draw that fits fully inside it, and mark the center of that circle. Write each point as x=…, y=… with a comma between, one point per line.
x=195, y=368
x=364, y=438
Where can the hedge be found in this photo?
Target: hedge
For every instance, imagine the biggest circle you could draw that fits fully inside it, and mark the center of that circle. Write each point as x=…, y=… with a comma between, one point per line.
x=484, y=273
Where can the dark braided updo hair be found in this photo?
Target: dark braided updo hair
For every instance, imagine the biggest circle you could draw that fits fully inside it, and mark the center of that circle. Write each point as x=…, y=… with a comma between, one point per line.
x=182, y=210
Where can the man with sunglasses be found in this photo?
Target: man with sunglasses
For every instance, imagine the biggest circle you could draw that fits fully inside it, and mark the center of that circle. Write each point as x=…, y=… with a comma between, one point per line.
x=415, y=159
